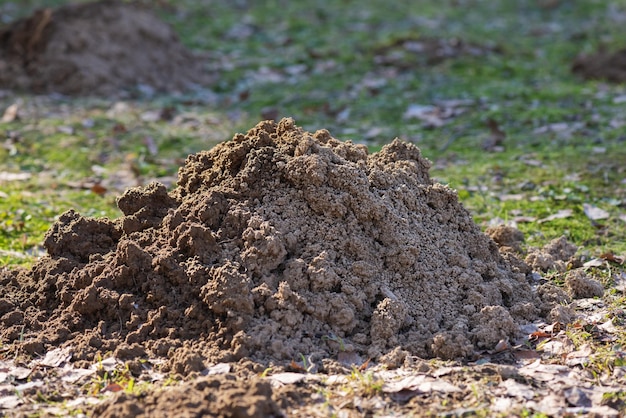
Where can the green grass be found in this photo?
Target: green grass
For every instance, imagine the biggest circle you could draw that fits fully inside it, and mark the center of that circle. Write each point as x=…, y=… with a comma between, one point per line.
x=324, y=57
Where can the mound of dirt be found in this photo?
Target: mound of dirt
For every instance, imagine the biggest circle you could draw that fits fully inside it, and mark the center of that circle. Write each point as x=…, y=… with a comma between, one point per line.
x=277, y=243
x=102, y=48
x=602, y=65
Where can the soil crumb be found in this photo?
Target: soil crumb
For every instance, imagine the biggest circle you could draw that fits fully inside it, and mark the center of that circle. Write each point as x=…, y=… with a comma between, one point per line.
x=277, y=243
x=104, y=48
x=602, y=65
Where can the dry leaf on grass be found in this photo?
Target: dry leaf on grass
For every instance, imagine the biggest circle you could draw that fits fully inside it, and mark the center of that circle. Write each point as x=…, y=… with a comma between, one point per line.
x=595, y=213
x=613, y=258
x=7, y=176
x=562, y=214
x=10, y=114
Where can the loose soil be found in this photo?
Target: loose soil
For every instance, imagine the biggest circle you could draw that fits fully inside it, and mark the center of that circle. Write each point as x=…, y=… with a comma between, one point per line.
x=275, y=244
x=105, y=48
x=280, y=248
x=602, y=65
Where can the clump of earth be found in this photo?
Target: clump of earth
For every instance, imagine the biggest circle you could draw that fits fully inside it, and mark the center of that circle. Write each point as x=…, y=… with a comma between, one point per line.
x=276, y=244
x=104, y=48
x=603, y=65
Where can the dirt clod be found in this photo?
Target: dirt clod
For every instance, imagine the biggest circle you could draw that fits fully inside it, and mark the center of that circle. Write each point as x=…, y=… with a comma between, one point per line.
x=278, y=243
x=579, y=285
x=105, y=48
x=554, y=256
x=507, y=237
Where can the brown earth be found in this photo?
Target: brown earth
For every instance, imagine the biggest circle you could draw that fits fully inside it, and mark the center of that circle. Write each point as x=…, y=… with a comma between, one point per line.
x=277, y=244
x=102, y=48
x=602, y=65
x=283, y=251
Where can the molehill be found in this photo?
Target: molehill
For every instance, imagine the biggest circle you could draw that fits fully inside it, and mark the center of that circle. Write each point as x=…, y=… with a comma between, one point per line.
x=105, y=48
x=277, y=243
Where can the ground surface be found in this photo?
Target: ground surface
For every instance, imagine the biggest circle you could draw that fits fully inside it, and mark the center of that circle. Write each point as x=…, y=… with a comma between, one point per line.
x=506, y=123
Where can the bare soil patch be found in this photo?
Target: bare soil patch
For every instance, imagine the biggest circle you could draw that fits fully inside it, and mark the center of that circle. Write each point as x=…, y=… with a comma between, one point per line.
x=610, y=66
x=102, y=48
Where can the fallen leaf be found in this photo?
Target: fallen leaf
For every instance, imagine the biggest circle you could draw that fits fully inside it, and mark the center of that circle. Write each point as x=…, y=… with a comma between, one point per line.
x=219, y=368
x=20, y=373
x=365, y=365
x=10, y=114
x=151, y=116
x=287, y=378
x=594, y=262
x=577, y=397
x=56, y=357
x=502, y=345
x=514, y=197
x=295, y=366
x=620, y=282
x=7, y=176
x=609, y=327
x=420, y=383
x=108, y=364
x=73, y=375
x=113, y=387
x=29, y=385
x=10, y=402
x=547, y=372
x=539, y=334
x=524, y=219
x=430, y=115
x=526, y=354
x=65, y=129
x=594, y=213
x=612, y=257
x=518, y=390
x=557, y=347
x=579, y=357
x=562, y=214
x=98, y=189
